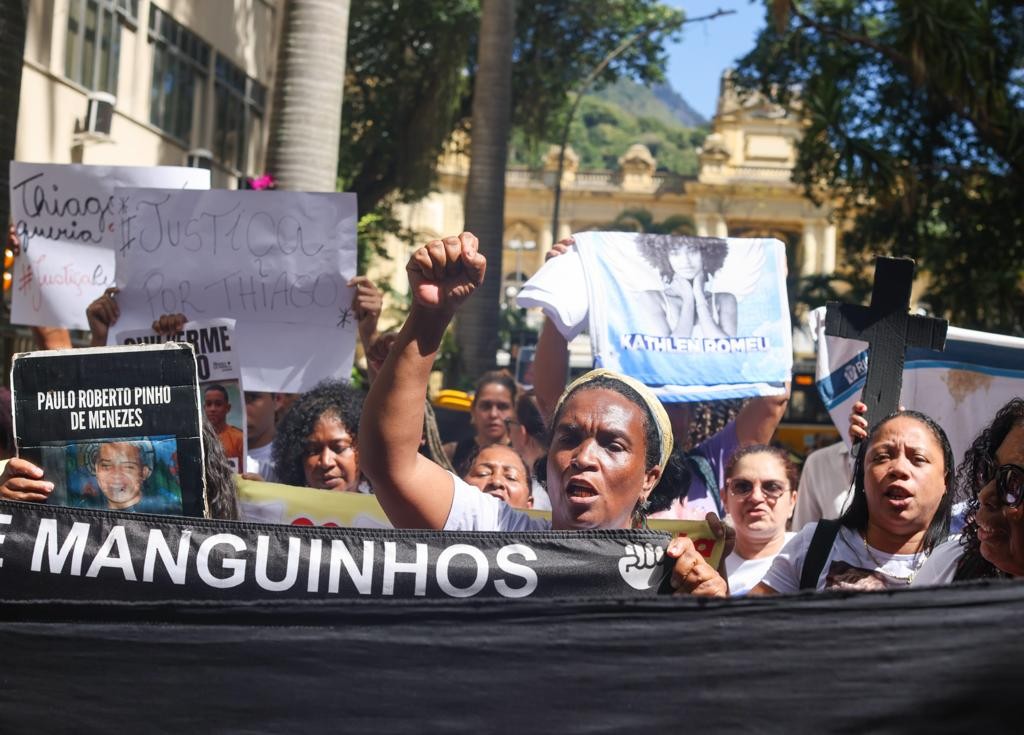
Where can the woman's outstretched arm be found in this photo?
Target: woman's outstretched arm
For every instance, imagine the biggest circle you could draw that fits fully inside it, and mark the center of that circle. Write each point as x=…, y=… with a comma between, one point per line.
x=415, y=492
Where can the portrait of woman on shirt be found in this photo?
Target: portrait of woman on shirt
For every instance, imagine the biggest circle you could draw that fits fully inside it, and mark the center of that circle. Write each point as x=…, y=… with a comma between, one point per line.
x=686, y=265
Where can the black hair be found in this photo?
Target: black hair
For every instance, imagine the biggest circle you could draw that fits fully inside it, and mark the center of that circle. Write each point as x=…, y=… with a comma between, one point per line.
x=972, y=475
x=656, y=250
x=529, y=416
x=652, y=454
x=332, y=398
x=466, y=464
x=674, y=483
x=219, y=387
x=500, y=377
x=856, y=516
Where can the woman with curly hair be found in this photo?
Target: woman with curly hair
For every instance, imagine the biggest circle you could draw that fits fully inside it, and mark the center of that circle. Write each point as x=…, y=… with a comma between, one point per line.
x=316, y=442
x=992, y=476
x=686, y=264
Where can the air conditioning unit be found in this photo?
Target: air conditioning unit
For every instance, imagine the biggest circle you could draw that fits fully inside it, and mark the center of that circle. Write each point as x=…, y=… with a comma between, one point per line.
x=99, y=114
x=199, y=158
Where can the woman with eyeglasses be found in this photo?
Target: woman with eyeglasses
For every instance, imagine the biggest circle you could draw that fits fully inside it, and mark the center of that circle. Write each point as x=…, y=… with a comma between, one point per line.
x=992, y=476
x=760, y=495
x=899, y=512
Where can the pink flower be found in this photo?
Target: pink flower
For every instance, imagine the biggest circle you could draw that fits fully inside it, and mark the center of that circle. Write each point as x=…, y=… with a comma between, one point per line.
x=262, y=183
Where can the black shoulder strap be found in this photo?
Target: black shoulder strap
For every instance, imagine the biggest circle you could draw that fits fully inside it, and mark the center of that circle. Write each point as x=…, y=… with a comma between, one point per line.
x=817, y=553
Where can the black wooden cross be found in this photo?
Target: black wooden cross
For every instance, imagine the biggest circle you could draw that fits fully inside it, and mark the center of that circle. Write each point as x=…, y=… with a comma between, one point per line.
x=889, y=329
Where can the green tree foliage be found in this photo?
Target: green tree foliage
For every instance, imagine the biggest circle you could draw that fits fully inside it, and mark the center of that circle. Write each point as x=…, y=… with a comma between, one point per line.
x=915, y=112
x=641, y=220
x=605, y=128
x=411, y=66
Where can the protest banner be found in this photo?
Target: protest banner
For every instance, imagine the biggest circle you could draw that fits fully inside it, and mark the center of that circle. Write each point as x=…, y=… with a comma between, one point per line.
x=694, y=318
x=220, y=378
x=938, y=660
x=269, y=502
x=960, y=387
x=276, y=262
x=72, y=553
x=68, y=222
x=126, y=437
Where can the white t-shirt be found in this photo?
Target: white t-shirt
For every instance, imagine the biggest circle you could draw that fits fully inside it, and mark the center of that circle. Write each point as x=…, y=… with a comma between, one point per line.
x=849, y=565
x=941, y=564
x=744, y=574
x=825, y=487
x=473, y=510
x=261, y=461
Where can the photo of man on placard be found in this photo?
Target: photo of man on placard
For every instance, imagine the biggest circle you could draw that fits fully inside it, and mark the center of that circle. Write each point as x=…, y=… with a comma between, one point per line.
x=136, y=475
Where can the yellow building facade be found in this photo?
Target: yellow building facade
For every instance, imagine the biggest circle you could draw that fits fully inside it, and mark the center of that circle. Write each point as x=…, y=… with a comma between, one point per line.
x=742, y=189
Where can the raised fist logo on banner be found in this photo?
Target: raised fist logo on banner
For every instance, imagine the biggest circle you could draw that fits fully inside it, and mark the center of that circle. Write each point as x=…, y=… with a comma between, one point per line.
x=641, y=566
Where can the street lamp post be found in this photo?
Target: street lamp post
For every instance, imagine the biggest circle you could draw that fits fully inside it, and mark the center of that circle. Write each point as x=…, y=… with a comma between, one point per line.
x=584, y=86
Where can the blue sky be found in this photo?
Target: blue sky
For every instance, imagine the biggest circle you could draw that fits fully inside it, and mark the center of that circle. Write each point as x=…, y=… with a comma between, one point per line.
x=696, y=63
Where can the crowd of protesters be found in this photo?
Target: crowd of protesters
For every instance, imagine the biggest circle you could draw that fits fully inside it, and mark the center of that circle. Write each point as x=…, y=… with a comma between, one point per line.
x=604, y=453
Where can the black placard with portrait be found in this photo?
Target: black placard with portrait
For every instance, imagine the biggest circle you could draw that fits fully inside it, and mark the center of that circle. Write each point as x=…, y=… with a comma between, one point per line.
x=114, y=428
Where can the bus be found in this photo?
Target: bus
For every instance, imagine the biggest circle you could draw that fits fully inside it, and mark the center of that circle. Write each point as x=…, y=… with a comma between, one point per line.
x=806, y=425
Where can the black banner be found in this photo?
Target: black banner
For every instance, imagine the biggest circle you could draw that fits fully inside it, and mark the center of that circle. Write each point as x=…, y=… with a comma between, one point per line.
x=51, y=552
x=113, y=427
x=935, y=661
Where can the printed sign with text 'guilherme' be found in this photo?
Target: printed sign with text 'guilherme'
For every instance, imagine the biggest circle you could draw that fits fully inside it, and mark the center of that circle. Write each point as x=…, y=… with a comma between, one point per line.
x=220, y=378
x=114, y=428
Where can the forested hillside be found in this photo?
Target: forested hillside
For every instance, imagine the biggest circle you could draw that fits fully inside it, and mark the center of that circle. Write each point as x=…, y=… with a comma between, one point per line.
x=611, y=120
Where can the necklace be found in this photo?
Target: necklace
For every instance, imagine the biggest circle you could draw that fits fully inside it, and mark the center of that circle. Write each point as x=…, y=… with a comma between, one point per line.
x=916, y=565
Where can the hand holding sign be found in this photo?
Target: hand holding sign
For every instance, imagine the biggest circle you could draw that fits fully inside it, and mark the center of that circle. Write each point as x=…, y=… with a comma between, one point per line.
x=692, y=574
x=444, y=273
x=22, y=480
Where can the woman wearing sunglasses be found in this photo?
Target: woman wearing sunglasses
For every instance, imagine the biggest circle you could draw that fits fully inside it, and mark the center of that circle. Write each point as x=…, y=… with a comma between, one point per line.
x=992, y=475
x=760, y=495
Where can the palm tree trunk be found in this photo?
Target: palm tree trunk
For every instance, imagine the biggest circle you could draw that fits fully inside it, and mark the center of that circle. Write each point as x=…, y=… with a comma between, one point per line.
x=477, y=327
x=12, y=47
x=302, y=153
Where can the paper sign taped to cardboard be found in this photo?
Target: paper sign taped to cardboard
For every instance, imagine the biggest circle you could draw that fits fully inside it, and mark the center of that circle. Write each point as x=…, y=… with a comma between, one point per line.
x=68, y=222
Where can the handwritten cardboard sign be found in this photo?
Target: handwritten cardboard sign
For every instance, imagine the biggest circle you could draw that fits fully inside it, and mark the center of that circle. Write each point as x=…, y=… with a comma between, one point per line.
x=276, y=262
x=68, y=224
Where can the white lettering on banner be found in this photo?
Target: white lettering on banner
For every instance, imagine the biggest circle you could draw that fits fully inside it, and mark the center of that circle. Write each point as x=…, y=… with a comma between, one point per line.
x=291, y=572
x=313, y=578
x=175, y=567
x=392, y=567
x=74, y=545
x=123, y=559
x=5, y=519
x=237, y=566
x=445, y=559
x=363, y=580
x=528, y=575
x=237, y=561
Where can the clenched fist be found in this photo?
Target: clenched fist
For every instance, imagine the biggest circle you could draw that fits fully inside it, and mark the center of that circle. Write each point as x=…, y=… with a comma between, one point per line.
x=444, y=273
